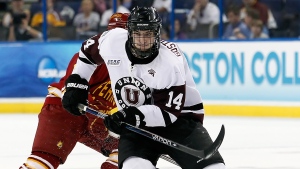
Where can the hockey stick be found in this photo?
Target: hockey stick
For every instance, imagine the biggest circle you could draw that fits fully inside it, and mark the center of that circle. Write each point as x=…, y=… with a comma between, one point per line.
x=101, y=115
x=169, y=159
x=201, y=154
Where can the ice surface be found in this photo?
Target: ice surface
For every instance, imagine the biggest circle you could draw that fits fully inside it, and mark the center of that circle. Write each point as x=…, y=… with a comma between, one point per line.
x=250, y=143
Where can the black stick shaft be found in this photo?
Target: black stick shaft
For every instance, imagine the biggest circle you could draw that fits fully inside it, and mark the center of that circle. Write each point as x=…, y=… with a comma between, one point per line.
x=201, y=154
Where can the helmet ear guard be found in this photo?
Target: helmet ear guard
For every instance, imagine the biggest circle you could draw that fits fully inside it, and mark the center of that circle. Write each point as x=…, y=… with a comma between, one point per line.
x=144, y=18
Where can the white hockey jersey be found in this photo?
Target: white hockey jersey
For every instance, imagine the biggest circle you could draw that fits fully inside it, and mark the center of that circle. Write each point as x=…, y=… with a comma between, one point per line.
x=162, y=89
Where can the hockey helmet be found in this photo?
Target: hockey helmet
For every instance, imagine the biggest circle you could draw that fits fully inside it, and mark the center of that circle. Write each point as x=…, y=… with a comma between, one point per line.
x=118, y=20
x=143, y=19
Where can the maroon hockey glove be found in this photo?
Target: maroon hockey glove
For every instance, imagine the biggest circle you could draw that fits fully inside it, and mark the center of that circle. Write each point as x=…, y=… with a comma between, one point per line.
x=77, y=90
x=130, y=115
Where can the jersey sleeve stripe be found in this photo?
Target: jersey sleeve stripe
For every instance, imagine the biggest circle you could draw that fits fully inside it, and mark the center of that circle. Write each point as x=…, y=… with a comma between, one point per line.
x=194, y=111
x=166, y=117
x=194, y=107
x=84, y=60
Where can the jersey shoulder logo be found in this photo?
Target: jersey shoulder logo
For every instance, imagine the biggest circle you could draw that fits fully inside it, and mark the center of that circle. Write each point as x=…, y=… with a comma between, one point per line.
x=114, y=62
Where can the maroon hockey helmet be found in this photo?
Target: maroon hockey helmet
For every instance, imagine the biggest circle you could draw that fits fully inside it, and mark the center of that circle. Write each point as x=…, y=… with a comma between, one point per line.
x=118, y=20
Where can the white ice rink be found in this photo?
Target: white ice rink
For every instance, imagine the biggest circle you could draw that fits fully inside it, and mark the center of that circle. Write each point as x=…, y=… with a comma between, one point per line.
x=250, y=143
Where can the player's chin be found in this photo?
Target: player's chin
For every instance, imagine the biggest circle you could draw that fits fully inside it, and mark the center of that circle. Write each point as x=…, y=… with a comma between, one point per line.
x=142, y=47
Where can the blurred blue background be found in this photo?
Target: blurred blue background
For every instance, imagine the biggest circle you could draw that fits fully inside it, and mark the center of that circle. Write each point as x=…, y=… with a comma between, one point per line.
x=182, y=19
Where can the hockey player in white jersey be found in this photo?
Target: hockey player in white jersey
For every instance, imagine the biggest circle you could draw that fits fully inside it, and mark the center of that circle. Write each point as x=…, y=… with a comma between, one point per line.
x=154, y=90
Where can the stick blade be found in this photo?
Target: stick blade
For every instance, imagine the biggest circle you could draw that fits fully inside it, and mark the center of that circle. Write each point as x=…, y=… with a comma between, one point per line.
x=216, y=144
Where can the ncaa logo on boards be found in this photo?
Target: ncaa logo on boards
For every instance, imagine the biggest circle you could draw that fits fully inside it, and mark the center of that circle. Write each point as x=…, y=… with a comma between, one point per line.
x=132, y=92
x=48, y=71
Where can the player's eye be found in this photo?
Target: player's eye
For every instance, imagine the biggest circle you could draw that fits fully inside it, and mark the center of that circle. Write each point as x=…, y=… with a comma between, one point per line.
x=136, y=34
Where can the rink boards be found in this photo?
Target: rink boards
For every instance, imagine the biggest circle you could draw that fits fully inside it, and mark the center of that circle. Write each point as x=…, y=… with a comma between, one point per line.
x=257, y=78
x=211, y=108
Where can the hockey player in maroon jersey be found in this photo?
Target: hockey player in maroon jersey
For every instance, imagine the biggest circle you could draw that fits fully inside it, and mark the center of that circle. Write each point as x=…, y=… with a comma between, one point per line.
x=153, y=88
x=58, y=131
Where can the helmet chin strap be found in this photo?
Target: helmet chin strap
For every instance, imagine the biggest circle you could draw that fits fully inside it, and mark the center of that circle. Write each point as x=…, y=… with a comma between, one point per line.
x=132, y=49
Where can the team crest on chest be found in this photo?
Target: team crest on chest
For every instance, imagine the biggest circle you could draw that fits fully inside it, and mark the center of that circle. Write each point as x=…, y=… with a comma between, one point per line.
x=132, y=92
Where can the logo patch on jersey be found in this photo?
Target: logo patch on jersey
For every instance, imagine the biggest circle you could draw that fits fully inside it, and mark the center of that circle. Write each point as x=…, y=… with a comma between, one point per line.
x=171, y=46
x=114, y=62
x=132, y=92
x=151, y=72
x=59, y=144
